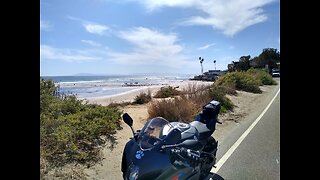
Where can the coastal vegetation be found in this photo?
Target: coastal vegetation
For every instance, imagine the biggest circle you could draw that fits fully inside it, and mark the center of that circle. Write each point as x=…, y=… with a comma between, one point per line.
x=166, y=92
x=264, y=77
x=249, y=80
x=190, y=102
x=72, y=131
x=186, y=106
x=142, y=98
x=177, y=109
x=240, y=81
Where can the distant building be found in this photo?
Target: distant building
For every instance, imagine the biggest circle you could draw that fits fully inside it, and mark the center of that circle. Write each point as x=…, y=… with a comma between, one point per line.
x=211, y=75
x=214, y=72
x=233, y=66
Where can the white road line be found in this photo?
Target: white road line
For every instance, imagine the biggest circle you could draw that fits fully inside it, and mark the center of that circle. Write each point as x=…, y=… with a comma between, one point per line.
x=237, y=143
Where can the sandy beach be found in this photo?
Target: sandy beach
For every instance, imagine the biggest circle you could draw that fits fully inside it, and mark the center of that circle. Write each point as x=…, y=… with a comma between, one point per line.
x=130, y=95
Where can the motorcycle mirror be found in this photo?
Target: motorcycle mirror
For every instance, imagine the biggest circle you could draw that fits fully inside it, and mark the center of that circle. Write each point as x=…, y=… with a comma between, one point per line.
x=173, y=137
x=127, y=119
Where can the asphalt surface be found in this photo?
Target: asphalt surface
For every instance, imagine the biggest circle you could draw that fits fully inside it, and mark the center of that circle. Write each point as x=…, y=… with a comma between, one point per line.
x=258, y=155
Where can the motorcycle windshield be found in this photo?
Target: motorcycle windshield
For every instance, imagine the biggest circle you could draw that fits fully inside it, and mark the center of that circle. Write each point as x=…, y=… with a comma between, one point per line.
x=152, y=133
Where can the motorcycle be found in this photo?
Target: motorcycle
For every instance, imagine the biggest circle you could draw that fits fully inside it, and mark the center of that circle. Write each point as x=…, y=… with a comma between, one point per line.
x=172, y=150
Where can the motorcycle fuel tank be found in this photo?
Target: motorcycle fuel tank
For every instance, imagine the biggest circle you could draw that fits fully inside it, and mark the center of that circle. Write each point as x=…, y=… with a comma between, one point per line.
x=187, y=131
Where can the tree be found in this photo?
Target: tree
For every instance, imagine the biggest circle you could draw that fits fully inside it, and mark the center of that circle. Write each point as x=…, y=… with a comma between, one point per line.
x=255, y=63
x=48, y=94
x=201, y=61
x=243, y=64
x=270, y=57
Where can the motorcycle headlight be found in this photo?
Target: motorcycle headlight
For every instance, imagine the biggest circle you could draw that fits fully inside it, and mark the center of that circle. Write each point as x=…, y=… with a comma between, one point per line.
x=134, y=172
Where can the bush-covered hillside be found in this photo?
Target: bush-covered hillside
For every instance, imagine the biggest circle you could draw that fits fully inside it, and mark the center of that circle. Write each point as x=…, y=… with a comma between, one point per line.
x=246, y=80
x=71, y=130
x=190, y=102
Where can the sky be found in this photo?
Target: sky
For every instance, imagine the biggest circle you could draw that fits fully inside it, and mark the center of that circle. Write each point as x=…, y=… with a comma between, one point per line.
x=108, y=37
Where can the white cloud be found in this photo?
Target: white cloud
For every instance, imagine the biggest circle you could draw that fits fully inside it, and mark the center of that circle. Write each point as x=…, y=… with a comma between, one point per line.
x=230, y=16
x=51, y=53
x=150, y=47
x=96, y=28
x=92, y=27
x=92, y=43
x=206, y=46
x=75, y=19
x=152, y=4
x=45, y=25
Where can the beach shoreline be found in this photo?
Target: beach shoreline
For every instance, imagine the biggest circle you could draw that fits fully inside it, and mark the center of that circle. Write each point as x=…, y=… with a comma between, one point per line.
x=97, y=87
x=130, y=95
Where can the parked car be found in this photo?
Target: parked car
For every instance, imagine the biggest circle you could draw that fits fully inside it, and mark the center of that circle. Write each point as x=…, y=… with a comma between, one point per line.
x=275, y=73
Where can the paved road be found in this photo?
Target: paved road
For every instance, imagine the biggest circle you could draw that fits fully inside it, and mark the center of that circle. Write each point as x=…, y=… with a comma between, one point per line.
x=258, y=155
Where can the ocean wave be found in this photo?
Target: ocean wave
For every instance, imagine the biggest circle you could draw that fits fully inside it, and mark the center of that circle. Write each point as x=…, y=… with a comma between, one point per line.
x=110, y=85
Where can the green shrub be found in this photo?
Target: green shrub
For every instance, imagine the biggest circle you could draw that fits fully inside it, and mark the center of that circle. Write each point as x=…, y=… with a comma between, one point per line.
x=223, y=110
x=72, y=131
x=47, y=94
x=219, y=94
x=165, y=92
x=263, y=76
x=142, y=98
x=241, y=81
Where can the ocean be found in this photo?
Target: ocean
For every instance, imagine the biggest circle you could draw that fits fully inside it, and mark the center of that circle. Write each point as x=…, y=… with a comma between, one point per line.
x=97, y=86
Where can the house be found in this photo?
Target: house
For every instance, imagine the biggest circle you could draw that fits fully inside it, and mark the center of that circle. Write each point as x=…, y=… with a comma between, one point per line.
x=233, y=66
x=210, y=75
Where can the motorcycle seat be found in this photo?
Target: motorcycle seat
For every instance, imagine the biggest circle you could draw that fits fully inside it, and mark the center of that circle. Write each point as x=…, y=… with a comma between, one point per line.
x=203, y=130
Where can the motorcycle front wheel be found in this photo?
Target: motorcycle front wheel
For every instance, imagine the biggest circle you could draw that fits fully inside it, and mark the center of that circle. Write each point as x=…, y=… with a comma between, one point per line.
x=208, y=162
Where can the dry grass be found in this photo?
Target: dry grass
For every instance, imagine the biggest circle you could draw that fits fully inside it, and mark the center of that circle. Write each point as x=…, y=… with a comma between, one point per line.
x=177, y=109
x=197, y=94
x=195, y=88
x=191, y=101
x=183, y=108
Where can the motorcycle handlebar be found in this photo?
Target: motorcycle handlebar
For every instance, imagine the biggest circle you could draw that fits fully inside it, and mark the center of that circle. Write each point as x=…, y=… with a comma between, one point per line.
x=190, y=153
x=183, y=154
